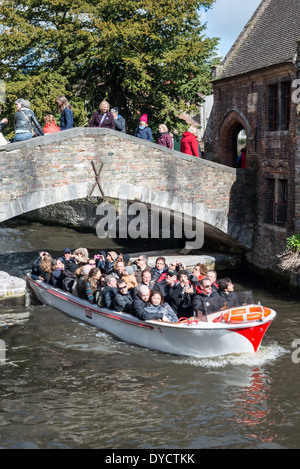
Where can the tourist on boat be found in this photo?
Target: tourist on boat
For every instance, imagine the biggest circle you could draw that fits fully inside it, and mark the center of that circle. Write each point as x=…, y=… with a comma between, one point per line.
x=160, y=270
x=109, y=291
x=166, y=285
x=143, y=131
x=69, y=260
x=126, y=274
x=200, y=271
x=50, y=125
x=78, y=288
x=26, y=124
x=164, y=138
x=140, y=301
x=119, y=120
x=92, y=282
x=57, y=273
x=110, y=261
x=81, y=256
x=123, y=299
x=103, y=117
x=142, y=264
x=158, y=309
x=66, y=113
x=146, y=280
x=227, y=293
x=182, y=295
x=42, y=267
x=207, y=300
x=212, y=275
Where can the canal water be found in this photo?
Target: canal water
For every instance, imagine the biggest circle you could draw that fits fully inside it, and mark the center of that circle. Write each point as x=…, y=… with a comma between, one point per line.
x=67, y=385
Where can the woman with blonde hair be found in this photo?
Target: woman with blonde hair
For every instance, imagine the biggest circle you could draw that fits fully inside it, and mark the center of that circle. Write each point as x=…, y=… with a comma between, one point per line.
x=103, y=117
x=65, y=109
x=164, y=138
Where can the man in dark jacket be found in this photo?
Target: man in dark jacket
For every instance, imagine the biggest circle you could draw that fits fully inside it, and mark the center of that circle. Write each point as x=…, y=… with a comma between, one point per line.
x=69, y=261
x=109, y=291
x=123, y=299
x=207, y=300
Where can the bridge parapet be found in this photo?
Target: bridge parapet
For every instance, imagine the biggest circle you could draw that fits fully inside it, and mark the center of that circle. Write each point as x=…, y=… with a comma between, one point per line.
x=61, y=167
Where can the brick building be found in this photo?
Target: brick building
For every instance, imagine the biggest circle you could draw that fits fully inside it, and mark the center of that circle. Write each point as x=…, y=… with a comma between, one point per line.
x=255, y=91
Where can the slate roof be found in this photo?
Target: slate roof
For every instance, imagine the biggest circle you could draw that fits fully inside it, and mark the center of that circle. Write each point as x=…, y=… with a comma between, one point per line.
x=269, y=38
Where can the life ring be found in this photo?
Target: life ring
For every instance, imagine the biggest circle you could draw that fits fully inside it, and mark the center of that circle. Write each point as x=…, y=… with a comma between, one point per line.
x=245, y=314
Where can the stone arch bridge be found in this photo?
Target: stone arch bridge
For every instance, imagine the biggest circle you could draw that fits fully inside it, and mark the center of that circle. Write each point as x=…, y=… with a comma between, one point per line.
x=64, y=166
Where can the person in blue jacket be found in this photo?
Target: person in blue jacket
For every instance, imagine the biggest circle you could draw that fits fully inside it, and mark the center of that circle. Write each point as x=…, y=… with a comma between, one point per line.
x=143, y=131
x=65, y=109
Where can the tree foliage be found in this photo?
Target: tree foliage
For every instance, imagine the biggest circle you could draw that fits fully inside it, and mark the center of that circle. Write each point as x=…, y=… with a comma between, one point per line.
x=151, y=57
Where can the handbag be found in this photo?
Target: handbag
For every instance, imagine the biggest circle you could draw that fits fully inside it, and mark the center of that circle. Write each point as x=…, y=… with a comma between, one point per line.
x=32, y=129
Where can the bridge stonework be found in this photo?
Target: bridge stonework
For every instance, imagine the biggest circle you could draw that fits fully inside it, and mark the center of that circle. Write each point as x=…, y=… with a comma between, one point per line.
x=59, y=167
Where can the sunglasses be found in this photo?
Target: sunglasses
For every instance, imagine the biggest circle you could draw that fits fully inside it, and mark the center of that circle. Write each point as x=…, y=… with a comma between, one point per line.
x=206, y=286
x=123, y=288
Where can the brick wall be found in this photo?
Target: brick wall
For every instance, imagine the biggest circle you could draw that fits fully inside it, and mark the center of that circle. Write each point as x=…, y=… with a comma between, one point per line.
x=57, y=168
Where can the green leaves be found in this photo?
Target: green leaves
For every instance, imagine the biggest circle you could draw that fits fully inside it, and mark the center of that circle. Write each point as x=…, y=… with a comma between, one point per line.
x=145, y=57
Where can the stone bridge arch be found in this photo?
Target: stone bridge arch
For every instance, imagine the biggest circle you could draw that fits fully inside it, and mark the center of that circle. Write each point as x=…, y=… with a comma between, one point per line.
x=61, y=167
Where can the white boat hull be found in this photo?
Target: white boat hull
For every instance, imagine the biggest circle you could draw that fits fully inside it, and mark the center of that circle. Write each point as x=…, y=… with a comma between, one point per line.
x=197, y=340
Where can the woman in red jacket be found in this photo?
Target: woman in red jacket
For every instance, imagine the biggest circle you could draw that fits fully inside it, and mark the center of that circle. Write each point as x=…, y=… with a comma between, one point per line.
x=189, y=144
x=50, y=125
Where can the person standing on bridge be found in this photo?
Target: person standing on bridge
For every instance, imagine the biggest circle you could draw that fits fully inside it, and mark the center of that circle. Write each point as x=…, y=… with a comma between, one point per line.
x=103, y=118
x=143, y=131
x=26, y=124
x=65, y=109
x=189, y=144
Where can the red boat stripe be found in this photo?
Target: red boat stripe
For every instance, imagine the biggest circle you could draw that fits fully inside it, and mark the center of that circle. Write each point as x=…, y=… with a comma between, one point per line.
x=91, y=309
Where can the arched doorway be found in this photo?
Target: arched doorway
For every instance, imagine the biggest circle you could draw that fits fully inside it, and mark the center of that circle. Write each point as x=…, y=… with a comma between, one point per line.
x=234, y=133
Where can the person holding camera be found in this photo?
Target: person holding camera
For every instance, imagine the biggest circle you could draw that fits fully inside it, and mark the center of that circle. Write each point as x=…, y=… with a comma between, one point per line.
x=182, y=295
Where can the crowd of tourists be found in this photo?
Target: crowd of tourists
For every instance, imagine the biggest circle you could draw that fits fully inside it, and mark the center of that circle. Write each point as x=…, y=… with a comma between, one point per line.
x=113, y=281
x=27, y=126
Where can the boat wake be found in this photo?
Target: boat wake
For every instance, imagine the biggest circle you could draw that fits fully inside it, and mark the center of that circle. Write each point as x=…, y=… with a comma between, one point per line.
x=267, y=354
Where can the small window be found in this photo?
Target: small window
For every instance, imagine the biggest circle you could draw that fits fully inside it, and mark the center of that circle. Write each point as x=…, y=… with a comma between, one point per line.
x=276, y=201
x=280, y=106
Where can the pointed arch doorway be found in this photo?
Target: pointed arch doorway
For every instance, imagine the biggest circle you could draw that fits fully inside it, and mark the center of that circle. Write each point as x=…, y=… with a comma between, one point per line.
x=234, y=135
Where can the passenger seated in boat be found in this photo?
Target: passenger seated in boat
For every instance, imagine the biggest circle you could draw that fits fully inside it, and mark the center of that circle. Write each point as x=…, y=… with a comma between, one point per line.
x=140, y=301
x=92, y=283
x=160, y=270
x=206, y=301
x=182, y=295
x=81, y=256
x=69, y=261
x=109, y=291
x=123, y=299
x=57, y=273
x=78, y=289
x=142, y=264
x=212, y=275
x=166, y=286
x=200, y=271
x=42, y=267
x=158, y=309
x=111, y=259
x=146, y=279
x=227, y=293
x=121, y=271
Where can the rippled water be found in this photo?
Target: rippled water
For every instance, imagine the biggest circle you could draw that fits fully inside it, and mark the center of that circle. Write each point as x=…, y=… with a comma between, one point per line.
x=65, y=384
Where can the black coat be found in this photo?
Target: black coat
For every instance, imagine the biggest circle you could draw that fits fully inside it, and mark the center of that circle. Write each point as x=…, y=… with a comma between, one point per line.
x=208, y=304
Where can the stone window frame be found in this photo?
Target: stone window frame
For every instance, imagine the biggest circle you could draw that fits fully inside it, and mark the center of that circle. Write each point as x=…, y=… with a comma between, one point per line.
x=276, y=203
x=280, y=104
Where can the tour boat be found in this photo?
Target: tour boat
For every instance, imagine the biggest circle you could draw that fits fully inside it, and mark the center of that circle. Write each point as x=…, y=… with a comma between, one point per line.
x=234, y=331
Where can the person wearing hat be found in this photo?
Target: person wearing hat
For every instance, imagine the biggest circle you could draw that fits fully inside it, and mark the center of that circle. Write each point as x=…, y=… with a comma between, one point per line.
x=110, y=261
x=26, y=124
x=143, y=131
x=69, y=261
x=119, y=120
